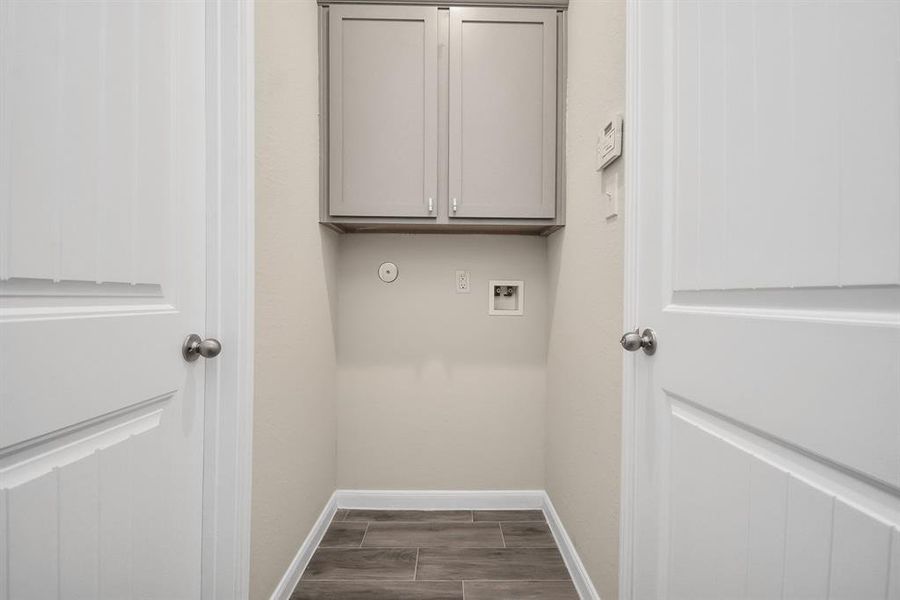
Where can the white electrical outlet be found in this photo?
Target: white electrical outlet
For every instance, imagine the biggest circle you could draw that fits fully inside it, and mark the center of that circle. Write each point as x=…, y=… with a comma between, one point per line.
x=462, y=282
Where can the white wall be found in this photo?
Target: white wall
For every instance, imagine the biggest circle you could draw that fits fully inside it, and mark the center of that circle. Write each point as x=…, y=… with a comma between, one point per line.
x=294, y=455
x=433, y=392
x=584, y=360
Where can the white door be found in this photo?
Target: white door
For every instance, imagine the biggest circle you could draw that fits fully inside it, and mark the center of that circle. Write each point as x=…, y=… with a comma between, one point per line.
x=766, y=175
x=102, y=275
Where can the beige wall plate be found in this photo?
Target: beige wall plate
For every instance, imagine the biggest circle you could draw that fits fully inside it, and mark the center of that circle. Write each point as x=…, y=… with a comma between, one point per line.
x=388, y=272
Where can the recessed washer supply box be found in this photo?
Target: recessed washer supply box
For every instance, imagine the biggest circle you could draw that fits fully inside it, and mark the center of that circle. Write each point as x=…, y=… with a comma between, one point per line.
x=506, y=297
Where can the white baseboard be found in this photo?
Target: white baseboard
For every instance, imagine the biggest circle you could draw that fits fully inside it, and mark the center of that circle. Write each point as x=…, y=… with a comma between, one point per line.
x=439, y=500
x=292, y=576
x=579, y=574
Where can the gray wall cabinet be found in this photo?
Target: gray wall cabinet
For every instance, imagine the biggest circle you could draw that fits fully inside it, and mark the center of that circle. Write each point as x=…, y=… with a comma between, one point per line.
x=442, y=118
x=502, y=112
x=383, y=106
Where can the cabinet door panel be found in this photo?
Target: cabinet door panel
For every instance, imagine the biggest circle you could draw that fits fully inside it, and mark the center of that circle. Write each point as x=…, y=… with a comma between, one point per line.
x=503, y=113
x=382, y=110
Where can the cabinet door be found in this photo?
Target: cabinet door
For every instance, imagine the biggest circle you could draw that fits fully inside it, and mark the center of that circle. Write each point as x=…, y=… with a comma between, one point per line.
x=502, y=113
x=382, y=111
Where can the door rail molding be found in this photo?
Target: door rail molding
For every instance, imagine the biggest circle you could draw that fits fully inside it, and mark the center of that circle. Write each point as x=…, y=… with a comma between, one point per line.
x=870, y=496
x=65, y=446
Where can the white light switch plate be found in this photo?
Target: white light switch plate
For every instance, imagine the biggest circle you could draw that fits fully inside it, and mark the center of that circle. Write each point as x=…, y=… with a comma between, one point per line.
x=609, y=142
x=611, y=194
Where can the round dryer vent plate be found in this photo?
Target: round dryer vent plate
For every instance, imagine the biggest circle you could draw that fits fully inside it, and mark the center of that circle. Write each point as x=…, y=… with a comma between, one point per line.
x=387, y=272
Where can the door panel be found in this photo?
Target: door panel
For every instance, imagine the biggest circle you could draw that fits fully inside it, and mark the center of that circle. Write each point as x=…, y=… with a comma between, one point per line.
x=804, y=151
x=792, y=372
x=840, y=199
x=383, y=110
x=102, y=274
x=768, y=154
x=79, y=548
x=503, y=112
x=766, y=530
x=747, y=525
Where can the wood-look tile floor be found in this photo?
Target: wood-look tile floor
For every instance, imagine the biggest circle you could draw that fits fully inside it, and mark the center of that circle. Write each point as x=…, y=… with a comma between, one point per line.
x=436, y=555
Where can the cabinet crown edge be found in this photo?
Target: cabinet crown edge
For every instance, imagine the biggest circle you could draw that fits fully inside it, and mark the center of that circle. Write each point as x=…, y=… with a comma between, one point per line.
x=557, y=4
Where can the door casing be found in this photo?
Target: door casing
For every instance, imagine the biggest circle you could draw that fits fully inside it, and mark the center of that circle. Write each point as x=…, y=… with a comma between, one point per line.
x=228, y=422
x=629, y=314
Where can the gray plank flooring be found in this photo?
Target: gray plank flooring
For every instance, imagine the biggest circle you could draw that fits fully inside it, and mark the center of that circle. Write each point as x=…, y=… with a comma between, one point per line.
x=407, y=516
x=344, y=535
x=436, y=555
x=362, y=563
x=418, y=535
x=527, y=535
x=539, y=564
x=509, y=515
x=340, y=514
x=378, y=590
x=520, y=590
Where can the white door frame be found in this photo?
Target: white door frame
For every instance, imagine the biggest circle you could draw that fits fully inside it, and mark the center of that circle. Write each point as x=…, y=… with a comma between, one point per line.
x=630, y=384
x=230, y=277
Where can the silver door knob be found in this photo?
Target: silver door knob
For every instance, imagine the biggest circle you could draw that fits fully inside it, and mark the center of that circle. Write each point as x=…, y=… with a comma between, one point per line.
x=195, y=347
x=646, y=339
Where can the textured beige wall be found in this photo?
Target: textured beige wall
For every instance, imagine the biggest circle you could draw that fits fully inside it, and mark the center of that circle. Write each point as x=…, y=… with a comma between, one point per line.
x=585, y=261
x=430, y=392
x=294, y=414
x=433, y=392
